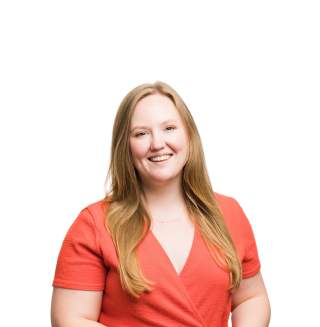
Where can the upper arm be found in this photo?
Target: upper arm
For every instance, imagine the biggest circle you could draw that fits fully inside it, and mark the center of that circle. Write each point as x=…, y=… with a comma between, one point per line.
x=249, y=288
x=68, y=304
x=80, y=264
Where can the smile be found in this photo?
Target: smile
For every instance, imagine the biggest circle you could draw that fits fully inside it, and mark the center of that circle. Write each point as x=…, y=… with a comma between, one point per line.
x=160, y=158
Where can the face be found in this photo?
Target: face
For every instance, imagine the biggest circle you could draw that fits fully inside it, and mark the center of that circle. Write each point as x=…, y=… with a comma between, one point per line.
x=156, y=129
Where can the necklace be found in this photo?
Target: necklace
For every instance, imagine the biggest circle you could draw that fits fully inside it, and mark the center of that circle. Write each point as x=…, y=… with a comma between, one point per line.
x=164, y=221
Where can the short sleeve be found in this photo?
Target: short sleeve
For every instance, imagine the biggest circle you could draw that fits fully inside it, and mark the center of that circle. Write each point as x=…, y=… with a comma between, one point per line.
x=80, y=263
x=250, y=261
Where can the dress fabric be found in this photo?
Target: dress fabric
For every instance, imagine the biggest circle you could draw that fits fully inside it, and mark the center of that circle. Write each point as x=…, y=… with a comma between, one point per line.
x=196, y=297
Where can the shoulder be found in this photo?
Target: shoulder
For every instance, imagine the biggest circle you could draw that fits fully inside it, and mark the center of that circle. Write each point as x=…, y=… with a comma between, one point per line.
x=233, y=213
x=221, y=197
x=97, y=208
x=96, y=212
x=89, y=221
x=225, y=202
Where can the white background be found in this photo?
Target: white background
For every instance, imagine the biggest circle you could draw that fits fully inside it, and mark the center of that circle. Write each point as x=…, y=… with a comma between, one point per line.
x=249, y=73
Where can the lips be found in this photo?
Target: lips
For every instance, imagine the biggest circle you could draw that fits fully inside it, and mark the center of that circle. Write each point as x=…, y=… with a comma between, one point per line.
x=159, y=155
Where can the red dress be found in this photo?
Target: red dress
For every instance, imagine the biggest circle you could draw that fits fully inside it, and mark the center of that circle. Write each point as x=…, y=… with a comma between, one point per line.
x=197, y=297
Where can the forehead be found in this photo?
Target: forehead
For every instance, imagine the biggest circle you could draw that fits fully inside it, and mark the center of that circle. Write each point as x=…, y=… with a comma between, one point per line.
x=154, y=109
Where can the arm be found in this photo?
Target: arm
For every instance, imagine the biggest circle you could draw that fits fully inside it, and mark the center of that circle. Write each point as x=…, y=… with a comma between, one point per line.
x=250, y=304
x=80, y=276
x=75, y=308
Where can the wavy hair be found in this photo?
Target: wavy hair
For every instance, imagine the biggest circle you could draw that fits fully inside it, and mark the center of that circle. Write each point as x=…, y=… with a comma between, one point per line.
x=127, y=218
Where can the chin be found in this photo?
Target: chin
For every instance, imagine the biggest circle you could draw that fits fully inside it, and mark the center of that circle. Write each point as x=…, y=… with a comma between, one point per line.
x=166, y=178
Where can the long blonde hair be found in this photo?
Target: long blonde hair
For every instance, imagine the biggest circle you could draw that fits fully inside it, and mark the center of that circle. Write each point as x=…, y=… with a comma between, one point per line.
x=126, y=214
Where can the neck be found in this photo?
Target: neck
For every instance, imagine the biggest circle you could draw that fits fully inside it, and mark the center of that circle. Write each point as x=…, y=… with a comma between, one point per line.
x=164, y=195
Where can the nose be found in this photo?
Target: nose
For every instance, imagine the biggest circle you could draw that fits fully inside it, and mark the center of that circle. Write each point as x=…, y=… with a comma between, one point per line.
x=157, y=141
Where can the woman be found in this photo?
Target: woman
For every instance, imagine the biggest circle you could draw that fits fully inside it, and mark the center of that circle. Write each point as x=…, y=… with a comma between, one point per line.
x=161, y=249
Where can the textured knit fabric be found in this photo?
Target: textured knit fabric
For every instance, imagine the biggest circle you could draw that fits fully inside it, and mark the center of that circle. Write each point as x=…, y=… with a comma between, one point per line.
x=197, y=297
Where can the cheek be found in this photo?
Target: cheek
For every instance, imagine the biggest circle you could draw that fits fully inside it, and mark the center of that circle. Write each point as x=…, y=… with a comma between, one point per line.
x=181, y=142
x=138, y=149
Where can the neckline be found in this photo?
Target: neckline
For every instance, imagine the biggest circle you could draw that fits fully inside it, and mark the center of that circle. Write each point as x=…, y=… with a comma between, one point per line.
x=165, y=255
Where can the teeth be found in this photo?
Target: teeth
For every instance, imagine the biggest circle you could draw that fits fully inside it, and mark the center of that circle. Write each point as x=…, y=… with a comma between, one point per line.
x=160, y=158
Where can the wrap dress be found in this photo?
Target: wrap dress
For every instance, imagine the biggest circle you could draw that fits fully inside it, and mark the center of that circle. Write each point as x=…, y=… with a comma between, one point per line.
x=198, y=296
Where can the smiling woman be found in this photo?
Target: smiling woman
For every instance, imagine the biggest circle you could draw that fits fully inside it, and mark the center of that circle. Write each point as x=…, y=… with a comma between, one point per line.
x=161, y=248
x=158, y=142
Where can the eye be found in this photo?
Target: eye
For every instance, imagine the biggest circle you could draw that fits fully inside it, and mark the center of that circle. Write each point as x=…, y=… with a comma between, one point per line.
x=169, y=128
x=139, y=134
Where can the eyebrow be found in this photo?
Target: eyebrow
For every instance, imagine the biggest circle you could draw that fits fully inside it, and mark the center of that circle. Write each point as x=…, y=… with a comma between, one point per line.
x=163, y=123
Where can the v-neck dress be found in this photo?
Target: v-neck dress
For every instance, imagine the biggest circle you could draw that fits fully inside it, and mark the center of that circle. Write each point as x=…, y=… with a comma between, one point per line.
x=196, y=297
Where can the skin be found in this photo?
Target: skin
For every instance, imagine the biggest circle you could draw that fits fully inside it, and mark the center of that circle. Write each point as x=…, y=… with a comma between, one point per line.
x=250, y=304
x=163, y=132
x=162, y=183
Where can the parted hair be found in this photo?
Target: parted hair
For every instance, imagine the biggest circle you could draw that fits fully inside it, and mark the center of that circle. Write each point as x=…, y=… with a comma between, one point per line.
x=127, y=218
